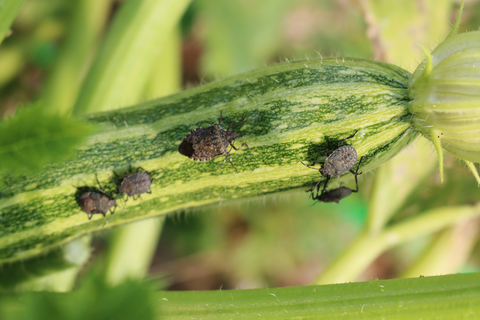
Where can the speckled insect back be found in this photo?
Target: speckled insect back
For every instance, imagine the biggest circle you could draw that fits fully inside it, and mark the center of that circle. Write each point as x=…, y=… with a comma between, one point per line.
x=93, y=202
x=206, y=143
x=335, y=195
x=341, y=160
x=135, y=184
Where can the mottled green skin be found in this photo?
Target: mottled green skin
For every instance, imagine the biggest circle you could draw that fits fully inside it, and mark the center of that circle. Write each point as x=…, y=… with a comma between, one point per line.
x=292, y=109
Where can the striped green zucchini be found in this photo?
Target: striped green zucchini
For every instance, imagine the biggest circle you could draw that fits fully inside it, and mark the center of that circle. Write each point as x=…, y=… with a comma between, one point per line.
x=293, y=110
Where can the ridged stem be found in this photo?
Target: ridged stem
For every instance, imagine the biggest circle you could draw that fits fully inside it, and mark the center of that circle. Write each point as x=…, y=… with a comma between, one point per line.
x=88, y=19
x=140, y=29
x=444, y=297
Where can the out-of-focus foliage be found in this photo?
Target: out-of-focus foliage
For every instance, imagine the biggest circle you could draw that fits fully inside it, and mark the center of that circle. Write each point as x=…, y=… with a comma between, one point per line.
x=93, y=300
x=34, y=137
x=8, y=13
x=55, y=271
x=280, y=241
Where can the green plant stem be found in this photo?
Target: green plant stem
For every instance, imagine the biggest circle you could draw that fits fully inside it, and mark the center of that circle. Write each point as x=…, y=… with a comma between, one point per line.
x=131, y=250
x=395, y=180
x=88, y=19
x=444, y=297
x=54, y=271
x=8, y=12
x=447, y=252
x=128, y=52
x=365, y=248
x=166, y=74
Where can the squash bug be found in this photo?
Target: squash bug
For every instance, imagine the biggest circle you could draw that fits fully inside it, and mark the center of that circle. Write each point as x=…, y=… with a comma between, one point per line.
x=341, y=160
x=134, y=184
x=338, y=194
x=206, y=143
x=93, y=202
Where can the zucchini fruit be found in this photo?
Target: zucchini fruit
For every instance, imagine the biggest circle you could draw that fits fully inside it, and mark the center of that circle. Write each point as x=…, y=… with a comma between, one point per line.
x=294, y=111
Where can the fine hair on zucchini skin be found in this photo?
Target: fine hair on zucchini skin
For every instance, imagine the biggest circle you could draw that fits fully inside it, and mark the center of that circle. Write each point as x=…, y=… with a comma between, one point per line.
x=292, y=109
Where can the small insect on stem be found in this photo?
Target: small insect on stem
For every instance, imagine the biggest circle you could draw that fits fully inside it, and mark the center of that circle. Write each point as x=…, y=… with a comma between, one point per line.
x=338, y=194
x=134, y=184
x=341, y=160
x=206, y=143
x=93, y=202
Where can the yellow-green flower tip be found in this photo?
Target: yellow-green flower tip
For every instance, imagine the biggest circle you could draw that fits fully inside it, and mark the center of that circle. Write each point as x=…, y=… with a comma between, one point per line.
x=445, y=92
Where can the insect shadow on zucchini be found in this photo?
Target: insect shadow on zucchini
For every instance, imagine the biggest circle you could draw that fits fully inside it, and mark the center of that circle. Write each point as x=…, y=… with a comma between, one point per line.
x=341, y=160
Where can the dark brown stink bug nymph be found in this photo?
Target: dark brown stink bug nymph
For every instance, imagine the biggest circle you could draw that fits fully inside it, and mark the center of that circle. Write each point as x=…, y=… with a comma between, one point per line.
x=93, y=202
x=135, y=184
x=338, y=194
x=206, y=143
x=341, y=160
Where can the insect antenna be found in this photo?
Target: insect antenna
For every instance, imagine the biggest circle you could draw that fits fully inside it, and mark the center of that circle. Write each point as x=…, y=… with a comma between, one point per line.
x=239, y=121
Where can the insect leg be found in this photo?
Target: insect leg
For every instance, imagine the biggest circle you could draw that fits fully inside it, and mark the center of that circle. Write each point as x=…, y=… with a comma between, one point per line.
x=325, y=185
x=244, y=144
x=306, y=165
x=359, y=163
x=111, y=179
x=356, y=172
x=313, y=190
x=223, y=163
x=240, y=121
x=99, y=185
x=220, y=119
x=231, y=161
x=353, y=135
x=356, y=183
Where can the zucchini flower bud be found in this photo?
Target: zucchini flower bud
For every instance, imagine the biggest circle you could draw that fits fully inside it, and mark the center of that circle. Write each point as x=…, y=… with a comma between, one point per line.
x=446, y=97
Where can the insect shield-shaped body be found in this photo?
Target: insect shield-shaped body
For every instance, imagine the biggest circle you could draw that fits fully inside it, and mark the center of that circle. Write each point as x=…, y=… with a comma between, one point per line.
x=135, y=184
x=203, y=144
x=93, y=202
x=341, y=160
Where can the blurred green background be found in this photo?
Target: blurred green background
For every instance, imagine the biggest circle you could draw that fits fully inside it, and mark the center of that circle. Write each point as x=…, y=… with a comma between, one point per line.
x=281, y=240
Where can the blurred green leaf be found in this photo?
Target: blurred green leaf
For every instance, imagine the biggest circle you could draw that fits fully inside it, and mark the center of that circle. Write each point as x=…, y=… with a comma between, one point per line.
x=32, y=137
x=54, y=271
x=242, y=35
x=88, y=19
x=139, y=32
x=8, y=11
x=94, y=300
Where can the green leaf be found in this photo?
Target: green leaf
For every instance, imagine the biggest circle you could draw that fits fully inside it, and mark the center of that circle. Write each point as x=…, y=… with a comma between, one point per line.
x=94, y=300
x=8, y=11
x=137, y=35
x=445, y=297
x=33, y=137
x=87, y=23
x=242, y=35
